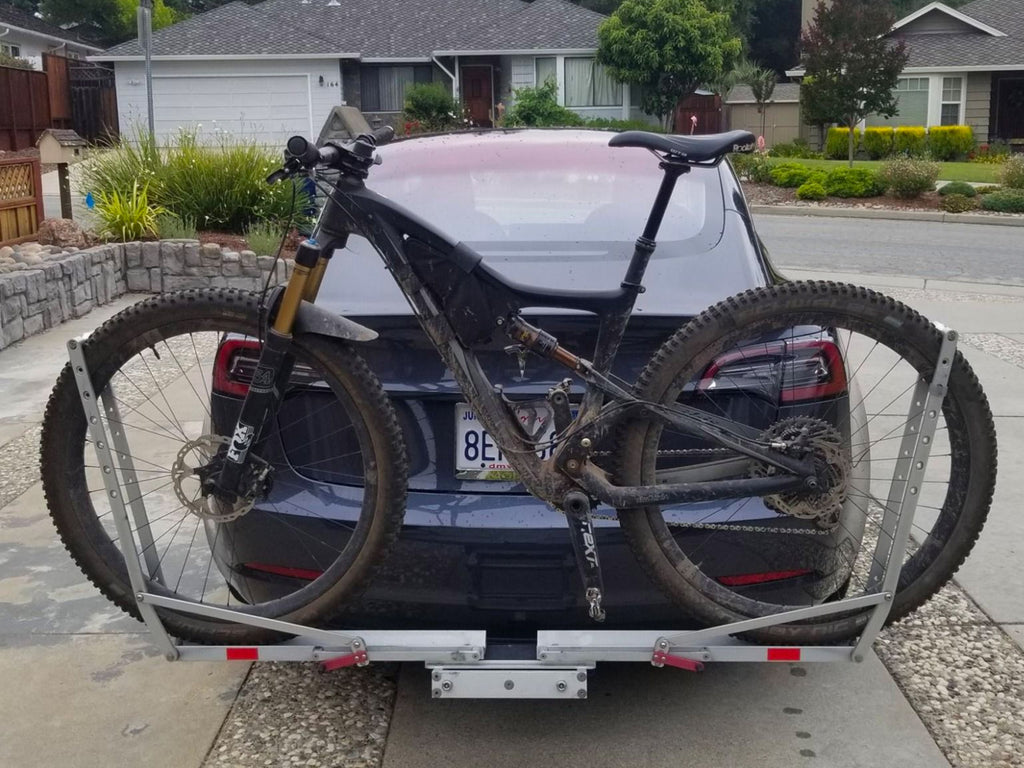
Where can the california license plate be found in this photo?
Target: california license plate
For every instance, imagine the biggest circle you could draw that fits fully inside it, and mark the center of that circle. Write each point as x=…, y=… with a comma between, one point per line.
x=477, y=455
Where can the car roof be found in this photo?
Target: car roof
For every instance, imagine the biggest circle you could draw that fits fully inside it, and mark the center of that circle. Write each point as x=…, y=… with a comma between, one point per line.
x=556, y=208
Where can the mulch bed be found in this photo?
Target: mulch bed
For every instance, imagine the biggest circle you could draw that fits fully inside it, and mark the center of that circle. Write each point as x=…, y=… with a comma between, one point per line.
x=766, y=194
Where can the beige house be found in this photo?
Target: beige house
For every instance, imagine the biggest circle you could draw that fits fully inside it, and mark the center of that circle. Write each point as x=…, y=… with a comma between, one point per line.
x=966, y=67
x=781, y=113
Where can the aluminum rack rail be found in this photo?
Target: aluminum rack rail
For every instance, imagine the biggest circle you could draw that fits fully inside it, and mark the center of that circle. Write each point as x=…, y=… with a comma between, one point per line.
x=459, y=663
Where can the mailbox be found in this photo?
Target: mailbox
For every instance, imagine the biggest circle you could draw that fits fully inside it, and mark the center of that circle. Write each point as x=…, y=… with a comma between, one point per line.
x=60, y=146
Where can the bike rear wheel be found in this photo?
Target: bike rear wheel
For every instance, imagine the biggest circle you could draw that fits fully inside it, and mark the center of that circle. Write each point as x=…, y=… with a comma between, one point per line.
x=176, y=368
x=834, y=366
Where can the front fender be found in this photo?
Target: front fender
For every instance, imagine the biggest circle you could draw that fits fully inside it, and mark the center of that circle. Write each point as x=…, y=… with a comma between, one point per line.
x=313, y=319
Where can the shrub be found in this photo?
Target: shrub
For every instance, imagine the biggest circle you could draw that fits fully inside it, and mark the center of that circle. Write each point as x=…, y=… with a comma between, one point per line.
x=170, y=226
x=790, y=175
x=910, y=141
x=539, y=107
x=950, y=142
x=958, y=203
x=908, y=178
x=755, y=167
x=218, y=186
x=958, y=188
x=431, y=106
x=1005, y=201
x=993, y=154
x=264, y=237
x=6, y=60
x=798, y=148
x=988, y=190
x=127, y=217
x=852, y=182
x=878, y=142
x=623, y=125
x=1012, y=175
x=812, y=190
x=838, y=141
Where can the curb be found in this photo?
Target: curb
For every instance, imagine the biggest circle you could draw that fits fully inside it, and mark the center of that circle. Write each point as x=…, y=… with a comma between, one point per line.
x=877, y=213
x=884, y=281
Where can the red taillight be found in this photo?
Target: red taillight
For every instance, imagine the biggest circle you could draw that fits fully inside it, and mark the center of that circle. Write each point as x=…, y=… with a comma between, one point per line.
x=746, y=579
x=285, y=570
x=809, y=369
x=225, y=368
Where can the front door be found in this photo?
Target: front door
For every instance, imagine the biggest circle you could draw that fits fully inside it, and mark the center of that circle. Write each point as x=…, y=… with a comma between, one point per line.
x=477, y=95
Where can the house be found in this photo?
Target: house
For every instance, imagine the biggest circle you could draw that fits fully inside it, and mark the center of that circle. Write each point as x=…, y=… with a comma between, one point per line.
x=24, y=36
x=966, y=67
x=781, y=114
x=276, y=69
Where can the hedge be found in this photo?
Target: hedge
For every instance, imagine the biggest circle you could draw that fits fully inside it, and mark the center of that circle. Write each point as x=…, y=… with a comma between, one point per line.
x=837, y=144
x=878, y=142
x=853, y=182
x=949, y=142
x=910, y=140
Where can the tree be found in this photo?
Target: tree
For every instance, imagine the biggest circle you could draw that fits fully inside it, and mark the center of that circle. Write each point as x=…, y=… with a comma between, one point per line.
x=762, y=84
x=668, y=48
x=851, y=65
x=113, y=20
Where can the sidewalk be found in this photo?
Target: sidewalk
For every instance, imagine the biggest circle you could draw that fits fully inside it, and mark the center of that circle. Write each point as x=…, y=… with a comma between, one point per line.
x=99, y=696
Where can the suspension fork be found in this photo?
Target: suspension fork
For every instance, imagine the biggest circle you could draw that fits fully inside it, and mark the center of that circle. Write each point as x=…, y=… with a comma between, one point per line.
x=274, y=368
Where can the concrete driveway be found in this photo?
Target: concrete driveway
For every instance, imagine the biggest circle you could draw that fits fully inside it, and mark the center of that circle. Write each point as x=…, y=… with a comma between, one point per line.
x=85, y=688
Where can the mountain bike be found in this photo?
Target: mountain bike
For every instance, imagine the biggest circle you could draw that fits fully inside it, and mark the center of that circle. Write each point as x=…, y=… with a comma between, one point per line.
x=789, y=400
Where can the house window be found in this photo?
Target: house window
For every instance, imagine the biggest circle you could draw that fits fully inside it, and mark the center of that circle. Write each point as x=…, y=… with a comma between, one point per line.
x=952, y=92
x=382, y=89
x=911, y=102
x=588, y=84
x=547, y=69
x=11, y=50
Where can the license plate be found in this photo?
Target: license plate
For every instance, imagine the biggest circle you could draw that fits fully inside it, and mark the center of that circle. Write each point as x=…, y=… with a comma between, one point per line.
x=477, y=456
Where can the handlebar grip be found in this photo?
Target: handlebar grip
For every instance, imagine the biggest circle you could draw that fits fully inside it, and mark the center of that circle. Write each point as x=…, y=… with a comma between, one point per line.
x=303, y=151
x=383, y=135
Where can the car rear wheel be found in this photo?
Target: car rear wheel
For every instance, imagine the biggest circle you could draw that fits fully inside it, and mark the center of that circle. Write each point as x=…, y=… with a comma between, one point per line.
x=176, y=368
x=830, y=368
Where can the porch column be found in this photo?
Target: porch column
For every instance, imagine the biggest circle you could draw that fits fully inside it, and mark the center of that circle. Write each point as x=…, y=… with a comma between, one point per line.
x=625, y=101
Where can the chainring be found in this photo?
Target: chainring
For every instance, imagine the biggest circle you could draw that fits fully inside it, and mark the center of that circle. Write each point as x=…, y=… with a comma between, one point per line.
x=806, y=437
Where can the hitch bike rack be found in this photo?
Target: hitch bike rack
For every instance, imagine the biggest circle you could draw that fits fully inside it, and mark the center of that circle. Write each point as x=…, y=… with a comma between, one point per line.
x=458, y=659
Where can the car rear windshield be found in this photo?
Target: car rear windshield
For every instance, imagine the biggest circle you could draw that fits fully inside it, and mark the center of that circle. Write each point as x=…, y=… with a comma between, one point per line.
x=542, y=194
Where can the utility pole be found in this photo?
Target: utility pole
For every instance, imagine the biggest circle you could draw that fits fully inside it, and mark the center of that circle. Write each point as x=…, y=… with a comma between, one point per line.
x=144, y=16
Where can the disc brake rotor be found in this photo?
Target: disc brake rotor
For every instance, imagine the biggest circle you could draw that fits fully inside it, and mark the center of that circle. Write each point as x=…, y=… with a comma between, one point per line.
x=192, y=456
x=823, y=444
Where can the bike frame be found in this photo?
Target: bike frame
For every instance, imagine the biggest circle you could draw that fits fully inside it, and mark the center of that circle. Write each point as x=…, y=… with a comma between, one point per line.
x=402, y=238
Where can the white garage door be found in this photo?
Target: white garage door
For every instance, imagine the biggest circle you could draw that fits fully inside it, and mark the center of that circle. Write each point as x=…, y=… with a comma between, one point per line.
x=264, y=108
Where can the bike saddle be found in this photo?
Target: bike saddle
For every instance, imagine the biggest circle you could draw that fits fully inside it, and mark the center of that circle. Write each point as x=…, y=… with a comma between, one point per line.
x=692, y=149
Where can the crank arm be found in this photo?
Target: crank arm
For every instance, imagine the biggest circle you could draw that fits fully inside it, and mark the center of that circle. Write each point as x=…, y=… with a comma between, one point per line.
x=595, y=482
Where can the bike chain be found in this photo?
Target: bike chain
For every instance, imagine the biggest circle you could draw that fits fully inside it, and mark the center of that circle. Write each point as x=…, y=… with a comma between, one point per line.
x=735, y=527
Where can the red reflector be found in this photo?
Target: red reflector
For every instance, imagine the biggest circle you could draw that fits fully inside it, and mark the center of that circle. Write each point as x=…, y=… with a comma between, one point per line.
x=242, y=654
x=746, y=579
x=783, y=654
x=284, y=570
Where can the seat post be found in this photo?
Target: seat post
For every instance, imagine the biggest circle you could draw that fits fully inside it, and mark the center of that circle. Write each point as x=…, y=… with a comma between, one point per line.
x=646, y=243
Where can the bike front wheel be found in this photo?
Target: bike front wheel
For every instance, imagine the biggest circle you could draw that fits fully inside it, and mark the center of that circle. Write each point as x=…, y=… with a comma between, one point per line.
x=831, y=370
x=170, y=375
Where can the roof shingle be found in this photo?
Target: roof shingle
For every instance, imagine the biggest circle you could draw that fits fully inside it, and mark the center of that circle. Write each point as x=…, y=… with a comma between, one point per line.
x=24, y=20
x=394, y=29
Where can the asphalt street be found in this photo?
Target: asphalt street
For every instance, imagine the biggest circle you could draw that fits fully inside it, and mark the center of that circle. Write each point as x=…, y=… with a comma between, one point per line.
x=973, y=252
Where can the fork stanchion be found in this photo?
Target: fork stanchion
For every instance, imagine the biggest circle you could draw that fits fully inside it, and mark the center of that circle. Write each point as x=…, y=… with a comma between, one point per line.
x=458, y=658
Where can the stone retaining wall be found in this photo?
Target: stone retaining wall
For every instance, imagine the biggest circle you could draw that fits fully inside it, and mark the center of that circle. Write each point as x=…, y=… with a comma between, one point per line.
x=42, y=286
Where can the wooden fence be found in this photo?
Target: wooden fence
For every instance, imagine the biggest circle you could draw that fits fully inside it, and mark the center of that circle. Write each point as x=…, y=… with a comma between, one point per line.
x=82, y=97
x=24, y=107
x=21, y=199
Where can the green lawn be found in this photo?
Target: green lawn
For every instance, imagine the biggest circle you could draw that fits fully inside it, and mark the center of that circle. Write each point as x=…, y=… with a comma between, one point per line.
x=979, y=172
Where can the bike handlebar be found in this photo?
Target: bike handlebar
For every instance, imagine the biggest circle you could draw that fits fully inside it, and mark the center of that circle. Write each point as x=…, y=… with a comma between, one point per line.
x=302, y=154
